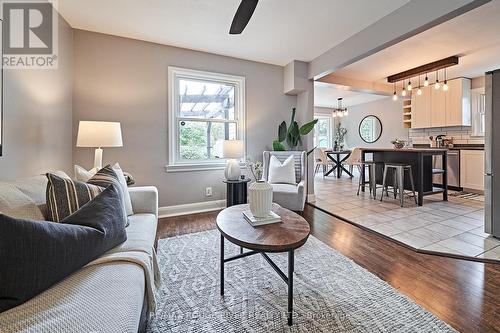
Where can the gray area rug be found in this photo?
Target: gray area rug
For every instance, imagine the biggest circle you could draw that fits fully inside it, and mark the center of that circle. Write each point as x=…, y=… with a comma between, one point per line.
x=331, y=293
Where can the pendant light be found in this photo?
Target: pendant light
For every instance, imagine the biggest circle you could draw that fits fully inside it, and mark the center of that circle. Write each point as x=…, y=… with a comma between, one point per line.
x=445, y=85
x=419, y=91
x=437, y=85
x=426, y=82
x=403, y=91
x=409, y=85
x=395, y=96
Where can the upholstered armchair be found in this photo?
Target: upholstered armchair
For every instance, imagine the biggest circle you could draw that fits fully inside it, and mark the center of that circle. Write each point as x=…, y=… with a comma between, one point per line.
x=290, y=196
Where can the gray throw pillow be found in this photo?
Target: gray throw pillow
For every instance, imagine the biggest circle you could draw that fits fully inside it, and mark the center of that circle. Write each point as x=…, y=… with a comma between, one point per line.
x=34, y=255
x=107, y=176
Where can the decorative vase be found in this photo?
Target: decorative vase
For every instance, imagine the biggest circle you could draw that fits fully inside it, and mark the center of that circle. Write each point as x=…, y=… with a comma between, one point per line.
x=261, y=198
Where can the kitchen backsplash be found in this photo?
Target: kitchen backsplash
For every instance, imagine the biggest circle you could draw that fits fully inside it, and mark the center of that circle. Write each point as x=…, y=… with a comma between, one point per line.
x=459, y=134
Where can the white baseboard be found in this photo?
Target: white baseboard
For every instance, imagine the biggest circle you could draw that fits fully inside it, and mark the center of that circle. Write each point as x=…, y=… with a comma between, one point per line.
x=311, y=198
x=192, y=208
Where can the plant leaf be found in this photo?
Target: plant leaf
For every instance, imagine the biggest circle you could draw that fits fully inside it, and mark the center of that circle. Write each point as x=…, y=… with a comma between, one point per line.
x=278, y=146
x=282, y=132
x=310, y=151
x=294, y=135
x=306, y=128
x=293, y=116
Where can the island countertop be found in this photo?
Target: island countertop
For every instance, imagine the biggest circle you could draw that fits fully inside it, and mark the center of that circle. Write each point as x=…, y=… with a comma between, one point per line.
x=406, y=150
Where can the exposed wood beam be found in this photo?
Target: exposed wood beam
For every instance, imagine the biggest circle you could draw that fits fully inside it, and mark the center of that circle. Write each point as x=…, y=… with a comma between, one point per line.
x=427, y=68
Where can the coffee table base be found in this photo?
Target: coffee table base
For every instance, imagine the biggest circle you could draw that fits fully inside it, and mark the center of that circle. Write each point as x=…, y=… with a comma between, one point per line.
x=288, y=279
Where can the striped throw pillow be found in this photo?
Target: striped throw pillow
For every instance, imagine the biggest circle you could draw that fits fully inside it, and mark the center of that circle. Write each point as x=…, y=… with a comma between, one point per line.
x=65, y=196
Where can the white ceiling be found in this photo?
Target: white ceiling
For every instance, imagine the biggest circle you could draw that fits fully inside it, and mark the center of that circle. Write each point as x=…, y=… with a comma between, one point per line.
x=325, y=95
x=474, y=36
x=280, y=30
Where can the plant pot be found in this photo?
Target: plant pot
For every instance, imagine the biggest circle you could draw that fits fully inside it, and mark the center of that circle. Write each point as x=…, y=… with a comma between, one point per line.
x=261, y=198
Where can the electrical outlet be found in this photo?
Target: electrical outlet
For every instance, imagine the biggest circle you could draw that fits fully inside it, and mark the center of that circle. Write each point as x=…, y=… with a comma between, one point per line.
x=208, y=191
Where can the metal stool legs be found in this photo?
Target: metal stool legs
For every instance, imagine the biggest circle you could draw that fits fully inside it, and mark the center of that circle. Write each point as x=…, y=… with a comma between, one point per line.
x=371, y=176
x=399, y=181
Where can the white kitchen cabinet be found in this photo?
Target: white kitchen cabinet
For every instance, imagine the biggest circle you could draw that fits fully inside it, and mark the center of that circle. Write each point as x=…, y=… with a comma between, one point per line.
x=421, y=108
x=458, y=102
x=439, y=108
x=472, y=169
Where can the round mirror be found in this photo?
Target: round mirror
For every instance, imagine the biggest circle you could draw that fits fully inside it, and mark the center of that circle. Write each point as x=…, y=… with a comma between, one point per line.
x=370, y=129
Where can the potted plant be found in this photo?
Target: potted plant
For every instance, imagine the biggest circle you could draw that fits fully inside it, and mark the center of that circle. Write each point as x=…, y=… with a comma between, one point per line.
x=292, y=134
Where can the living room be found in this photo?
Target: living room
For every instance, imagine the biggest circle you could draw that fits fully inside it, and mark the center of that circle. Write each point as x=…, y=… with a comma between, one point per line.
x=137, y=146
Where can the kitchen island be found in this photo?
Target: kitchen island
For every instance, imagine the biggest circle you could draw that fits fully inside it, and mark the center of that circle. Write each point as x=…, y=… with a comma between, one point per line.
x=421, y=163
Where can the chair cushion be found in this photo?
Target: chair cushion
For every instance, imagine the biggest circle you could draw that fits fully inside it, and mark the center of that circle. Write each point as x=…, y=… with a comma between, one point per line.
x=34, y=255
x=65, y=196
x=282, y=172
x=285, y=188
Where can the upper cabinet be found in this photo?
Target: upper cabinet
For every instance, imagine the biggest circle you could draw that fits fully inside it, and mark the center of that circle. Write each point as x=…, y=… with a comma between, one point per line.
x=439, y=108
x=421, y=108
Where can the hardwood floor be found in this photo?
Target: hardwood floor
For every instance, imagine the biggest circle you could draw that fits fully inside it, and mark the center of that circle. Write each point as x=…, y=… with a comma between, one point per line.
x=463, y=293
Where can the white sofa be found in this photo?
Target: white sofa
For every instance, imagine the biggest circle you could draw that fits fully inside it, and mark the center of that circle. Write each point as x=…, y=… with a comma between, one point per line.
x=111, y=294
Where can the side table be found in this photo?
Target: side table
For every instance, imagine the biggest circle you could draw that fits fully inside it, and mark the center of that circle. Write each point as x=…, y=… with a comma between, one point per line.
x=236, y=192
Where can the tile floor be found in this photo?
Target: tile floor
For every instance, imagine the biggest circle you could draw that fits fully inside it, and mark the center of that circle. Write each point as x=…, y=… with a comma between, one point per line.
x=454, y=227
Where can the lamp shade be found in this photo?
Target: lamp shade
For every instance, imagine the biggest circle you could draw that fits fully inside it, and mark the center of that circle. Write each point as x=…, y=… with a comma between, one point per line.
x=233, y=148
x=99, y=134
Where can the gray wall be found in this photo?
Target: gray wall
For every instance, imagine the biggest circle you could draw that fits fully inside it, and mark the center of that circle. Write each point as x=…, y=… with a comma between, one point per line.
x=388, y=111
x=38, y=115
x=125, y=80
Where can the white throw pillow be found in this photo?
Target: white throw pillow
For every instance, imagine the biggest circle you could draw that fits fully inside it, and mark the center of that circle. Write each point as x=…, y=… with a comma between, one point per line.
x=282, y=173
x=83, y=175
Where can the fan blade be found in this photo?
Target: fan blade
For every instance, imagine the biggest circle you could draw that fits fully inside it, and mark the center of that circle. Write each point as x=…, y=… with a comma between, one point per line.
x=242, y=16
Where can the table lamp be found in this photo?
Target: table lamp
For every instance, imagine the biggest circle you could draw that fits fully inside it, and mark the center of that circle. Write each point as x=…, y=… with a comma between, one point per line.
x=233, y=150
x=98, y=134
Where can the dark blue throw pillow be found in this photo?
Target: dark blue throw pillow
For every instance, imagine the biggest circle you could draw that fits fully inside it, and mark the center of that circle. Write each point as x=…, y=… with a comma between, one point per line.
x=34, y=255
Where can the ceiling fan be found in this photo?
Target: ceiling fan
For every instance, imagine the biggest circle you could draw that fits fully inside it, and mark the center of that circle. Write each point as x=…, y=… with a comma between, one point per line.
x=242, y=16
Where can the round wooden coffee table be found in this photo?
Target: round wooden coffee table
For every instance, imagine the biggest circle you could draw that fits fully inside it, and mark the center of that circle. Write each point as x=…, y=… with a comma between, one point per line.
x=286, y=236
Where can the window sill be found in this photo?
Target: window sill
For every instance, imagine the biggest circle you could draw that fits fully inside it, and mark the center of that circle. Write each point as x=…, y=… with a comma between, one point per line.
x=197, y=167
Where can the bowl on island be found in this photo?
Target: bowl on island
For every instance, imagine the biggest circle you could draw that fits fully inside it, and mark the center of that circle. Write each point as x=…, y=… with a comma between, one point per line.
x=398, y=144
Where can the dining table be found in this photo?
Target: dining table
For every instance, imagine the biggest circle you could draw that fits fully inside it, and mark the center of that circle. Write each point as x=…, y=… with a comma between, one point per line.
x=338, y=157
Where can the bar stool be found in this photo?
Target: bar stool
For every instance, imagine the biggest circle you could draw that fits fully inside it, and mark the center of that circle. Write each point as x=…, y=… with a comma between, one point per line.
x=371, y=176
x=399, y=180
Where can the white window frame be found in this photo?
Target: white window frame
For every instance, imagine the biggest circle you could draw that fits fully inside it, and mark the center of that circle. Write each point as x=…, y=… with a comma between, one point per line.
x=330, y=128
x=174, y=75
x=476, y=100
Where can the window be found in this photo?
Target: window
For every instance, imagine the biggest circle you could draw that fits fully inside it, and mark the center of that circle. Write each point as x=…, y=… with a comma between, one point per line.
x=478, y=101
x=204, y=109
x=323, y=131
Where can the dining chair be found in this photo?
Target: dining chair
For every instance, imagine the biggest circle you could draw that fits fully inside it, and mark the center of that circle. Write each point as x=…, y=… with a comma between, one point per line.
x=322, y=160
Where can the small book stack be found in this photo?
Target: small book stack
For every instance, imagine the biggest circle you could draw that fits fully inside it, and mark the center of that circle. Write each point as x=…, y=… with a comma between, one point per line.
x=258, y=221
